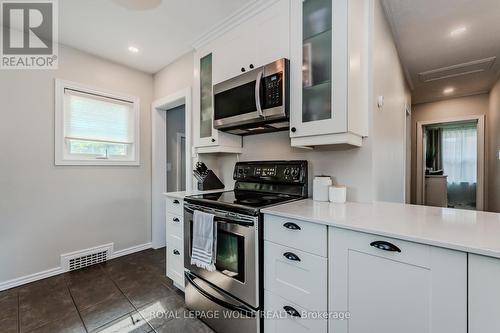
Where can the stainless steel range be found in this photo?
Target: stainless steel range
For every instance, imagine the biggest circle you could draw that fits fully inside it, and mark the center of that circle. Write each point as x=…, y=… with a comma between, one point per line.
x=230, y=298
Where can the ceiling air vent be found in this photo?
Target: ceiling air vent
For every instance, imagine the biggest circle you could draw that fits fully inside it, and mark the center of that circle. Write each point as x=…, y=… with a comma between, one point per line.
x=88, y=257
x=472, y=67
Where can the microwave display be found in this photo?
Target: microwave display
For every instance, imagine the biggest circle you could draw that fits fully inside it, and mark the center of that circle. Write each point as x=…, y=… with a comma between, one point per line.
x=273, y=95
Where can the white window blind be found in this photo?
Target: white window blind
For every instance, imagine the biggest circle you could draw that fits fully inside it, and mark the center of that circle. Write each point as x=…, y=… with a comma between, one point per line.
x=90, y=117
x=95, y=127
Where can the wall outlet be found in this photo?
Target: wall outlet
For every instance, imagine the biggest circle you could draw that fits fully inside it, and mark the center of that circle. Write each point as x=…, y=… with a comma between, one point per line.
x=499, y=154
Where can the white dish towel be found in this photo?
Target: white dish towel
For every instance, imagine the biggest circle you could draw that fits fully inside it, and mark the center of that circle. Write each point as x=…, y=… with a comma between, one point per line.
x=204, y=250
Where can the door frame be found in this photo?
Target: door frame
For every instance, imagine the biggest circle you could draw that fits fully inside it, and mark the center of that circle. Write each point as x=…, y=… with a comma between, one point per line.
x=159, y=110
x=420, y=181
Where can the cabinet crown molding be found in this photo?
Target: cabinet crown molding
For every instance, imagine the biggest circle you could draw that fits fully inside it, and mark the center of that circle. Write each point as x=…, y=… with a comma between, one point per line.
x=238, y=17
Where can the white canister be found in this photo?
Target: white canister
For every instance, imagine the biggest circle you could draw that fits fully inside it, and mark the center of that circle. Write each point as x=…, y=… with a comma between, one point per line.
x=338, y=194
x=321, y=184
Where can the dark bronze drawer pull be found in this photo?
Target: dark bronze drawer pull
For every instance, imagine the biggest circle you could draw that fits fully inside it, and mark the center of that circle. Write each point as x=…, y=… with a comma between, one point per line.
x=291, y=226
x=177, y=253
x=291, y=311
x=385, y=246
x=291, y=256
x=175, y=219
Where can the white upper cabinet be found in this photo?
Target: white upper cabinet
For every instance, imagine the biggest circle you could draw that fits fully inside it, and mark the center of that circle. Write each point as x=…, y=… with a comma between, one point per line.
x=329, y=72
x=259, y=40
x=272, y=28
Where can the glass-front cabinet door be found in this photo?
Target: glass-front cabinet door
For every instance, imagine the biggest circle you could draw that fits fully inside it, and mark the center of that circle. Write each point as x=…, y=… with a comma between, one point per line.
x=206, y=135
x=318, y=67
x=206, y=138
x=206, y=97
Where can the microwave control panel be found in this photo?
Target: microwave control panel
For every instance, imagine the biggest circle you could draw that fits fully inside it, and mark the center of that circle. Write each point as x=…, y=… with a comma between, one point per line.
x=273, y=90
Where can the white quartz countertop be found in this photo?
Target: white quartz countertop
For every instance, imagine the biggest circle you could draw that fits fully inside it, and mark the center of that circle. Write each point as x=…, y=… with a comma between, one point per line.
x=463, y=230
x=183, y=194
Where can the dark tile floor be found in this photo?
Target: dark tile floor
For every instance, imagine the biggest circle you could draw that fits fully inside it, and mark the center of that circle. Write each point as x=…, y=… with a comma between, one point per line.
x=122, y=295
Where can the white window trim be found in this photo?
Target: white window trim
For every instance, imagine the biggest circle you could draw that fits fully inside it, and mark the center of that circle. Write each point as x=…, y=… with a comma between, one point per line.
x=60, y=157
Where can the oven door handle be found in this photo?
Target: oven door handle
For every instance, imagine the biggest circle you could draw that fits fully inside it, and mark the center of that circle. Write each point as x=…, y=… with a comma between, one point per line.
x=224, y=219
x=257, y=94
x=239, y=308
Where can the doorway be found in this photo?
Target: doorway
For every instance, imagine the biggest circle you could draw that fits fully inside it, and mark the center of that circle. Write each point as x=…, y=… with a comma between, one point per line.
x=450, y=163
x=176, y=154
x=171, y=155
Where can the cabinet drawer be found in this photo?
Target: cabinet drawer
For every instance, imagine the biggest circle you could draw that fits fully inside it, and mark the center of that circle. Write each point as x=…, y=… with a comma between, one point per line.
x=289, y=324
x=175, y=260
x=385, y=247
x=298, y=276
x=306, y=236
x=174, y=206
x=175, y=225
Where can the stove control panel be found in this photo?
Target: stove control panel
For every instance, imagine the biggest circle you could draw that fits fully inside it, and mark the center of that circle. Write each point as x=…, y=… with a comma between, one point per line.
x=272, y=171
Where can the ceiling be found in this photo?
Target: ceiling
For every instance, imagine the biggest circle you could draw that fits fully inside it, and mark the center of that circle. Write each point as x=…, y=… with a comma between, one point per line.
x=162, y=30
x=422, y=31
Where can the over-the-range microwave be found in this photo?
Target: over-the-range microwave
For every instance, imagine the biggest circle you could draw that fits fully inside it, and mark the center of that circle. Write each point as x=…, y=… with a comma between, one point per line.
x=254, y=102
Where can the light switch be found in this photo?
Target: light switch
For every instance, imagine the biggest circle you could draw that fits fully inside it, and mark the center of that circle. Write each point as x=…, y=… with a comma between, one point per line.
x=499, y=154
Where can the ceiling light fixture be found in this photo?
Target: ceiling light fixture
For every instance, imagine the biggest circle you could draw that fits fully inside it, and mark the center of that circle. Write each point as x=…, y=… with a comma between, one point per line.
x=449, y=90
x=458, y=31
x=133, y=49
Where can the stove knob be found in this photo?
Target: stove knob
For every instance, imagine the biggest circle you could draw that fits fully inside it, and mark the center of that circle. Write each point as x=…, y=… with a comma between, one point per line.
x=287, y=172
x=295, y=172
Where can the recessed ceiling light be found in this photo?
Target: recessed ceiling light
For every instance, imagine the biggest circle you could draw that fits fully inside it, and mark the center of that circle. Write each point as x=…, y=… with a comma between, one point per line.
x=458, y=31
x=449, y=90
x=133, y=49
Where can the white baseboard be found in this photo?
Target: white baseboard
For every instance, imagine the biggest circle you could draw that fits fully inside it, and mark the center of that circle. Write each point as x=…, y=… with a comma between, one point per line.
x=130, y=250
x=59, y=270
x=30, y=278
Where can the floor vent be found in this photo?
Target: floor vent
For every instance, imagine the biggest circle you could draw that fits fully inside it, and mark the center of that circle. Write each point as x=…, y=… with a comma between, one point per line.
x=477, y=66
x=88, y=257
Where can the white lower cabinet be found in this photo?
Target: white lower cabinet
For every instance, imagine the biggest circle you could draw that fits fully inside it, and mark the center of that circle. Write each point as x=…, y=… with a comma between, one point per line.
x=175, y=260
x=279, y=319
x=484, y=294
x=394, y=286
x=297, y=275
x=175, y=240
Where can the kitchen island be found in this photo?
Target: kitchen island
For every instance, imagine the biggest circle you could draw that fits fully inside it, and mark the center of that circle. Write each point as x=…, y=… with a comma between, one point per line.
x=388, y=267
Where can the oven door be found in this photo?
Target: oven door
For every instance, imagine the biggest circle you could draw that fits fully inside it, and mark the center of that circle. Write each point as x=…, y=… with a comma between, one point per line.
x=255, y=96
x=237, y=266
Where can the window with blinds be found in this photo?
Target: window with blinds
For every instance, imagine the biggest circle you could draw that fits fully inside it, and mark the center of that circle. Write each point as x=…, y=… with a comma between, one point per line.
x=96, y=126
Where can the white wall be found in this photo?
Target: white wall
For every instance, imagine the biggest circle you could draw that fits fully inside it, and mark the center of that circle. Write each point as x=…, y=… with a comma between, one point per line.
x=47, y=210
x=349, y=167
x=174, y=77
x=493, y=148
x=389, y=122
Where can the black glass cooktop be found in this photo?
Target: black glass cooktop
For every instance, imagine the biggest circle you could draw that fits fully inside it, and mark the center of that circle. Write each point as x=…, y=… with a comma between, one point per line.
x=238, y=198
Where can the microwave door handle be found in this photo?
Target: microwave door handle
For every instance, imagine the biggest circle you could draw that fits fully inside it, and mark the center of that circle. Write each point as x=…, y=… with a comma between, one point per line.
x=257, y=94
